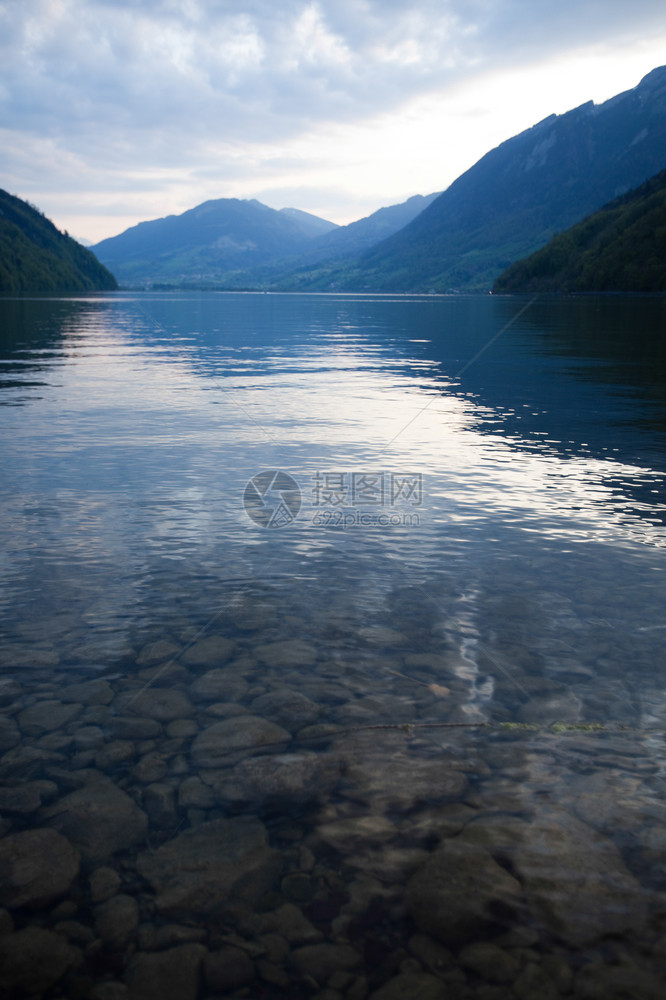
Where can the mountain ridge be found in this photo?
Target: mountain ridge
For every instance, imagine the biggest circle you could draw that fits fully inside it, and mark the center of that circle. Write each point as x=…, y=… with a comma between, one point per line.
x=208, y=241
x=520, y=193
x=36, y=257
x=152, y=251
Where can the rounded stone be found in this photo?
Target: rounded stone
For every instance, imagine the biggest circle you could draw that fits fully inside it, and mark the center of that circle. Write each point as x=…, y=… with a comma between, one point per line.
x=219, y=685
x=99, y=819
x=161, y=704
x=225, y=743
x=290, y=653
x=116, y=920
x=212, y=649
x=200, y=869
x=104, y=882
x=227, y=969
x=166, y=975
x=279, y=779
x=489, y=962
x=287, y=708
x=320, y=961
x=460, y=892
x=45, y=716
x=157, y=652
x=37, y=867
x=33, y=960
x=9, y=734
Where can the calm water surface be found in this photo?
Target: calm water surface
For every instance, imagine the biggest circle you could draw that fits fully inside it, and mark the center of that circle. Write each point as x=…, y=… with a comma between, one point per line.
x=334, y=627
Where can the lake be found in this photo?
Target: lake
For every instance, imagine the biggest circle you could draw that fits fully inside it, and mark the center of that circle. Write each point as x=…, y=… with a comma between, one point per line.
x=333, y=643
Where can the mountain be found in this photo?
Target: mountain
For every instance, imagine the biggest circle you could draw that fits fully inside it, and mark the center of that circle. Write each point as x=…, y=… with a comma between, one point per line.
x=620, y=248
x=345, y=242
x=516, y=197
x=364, y=233
x=209, y=243
x=37, y=257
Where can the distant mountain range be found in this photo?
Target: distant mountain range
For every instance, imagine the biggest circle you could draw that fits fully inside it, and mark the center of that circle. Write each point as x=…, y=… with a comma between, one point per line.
x=37, y=257
x=519, y=195
x=235, y=243
x=620, y=248
x=509, y=204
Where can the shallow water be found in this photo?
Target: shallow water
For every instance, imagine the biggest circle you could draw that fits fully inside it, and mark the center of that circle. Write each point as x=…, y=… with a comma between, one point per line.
x=389, y=725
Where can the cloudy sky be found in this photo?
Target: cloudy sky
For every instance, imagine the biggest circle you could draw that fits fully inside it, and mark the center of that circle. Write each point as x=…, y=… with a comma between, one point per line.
x=114, y=111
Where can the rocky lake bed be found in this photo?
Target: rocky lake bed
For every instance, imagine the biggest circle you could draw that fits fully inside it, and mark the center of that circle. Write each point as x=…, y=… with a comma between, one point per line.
x=246, y=814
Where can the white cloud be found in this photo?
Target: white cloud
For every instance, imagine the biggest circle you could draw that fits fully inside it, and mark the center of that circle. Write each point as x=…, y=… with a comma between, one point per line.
x=154, y=106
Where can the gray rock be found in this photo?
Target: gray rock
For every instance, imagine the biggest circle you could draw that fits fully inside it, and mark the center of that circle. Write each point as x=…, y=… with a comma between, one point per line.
x=157, y=652
x=161, y=704
x=460, y=892
x=219, y=685
x=6, y=923
x=182, y=729
x=193, y=794
x=625, y=981
x=290, y=923
x=129, y=728
x=116, y=920
x=575, y=880
x=89, y=738
x=75, y=932
x=9, y=734
x=431, y=954
x=227, y=969
x=36, y=867
x=34, y=657
x=291, y=653
x=214, y=649
x=225, y=709
x=226, y=743
x=382, y=770
x=10, y=690
x=95, y=692
x=32, y=960
x=612, y=801
x=489, y=962
x=99, y=819
x=412, y=985
x=151, y=768
x=356, y=833
x=25, y=760
x=104, y=883
x=166, y=975
x=281, y=779
x=111, y=755
x=45, y=716
x=534, y=983
x=198, y=871
x=391, y=864
x=320, y=961
x=159, y=802
x=152, y=938
x=287, y=708
x=27, y=798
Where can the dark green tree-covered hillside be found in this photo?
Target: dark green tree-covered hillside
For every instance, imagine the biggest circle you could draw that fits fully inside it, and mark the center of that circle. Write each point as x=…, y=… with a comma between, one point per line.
x=620, y=248
x=37, y=257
